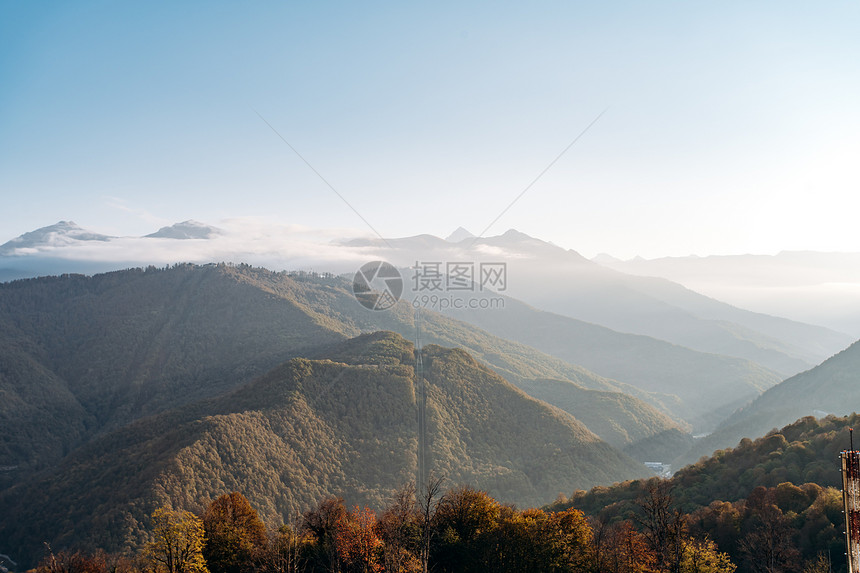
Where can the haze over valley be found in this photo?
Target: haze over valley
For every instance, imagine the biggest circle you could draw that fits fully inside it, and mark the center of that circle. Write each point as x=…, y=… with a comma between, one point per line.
x=429, y=287
x=208, y=369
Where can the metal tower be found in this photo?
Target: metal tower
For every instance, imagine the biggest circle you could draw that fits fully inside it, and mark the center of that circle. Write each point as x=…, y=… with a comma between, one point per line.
x=851, y=503
x=421, y=399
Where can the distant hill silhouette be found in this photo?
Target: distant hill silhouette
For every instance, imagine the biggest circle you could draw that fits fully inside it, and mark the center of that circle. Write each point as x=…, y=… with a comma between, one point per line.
x=187, y=230
x=58, y=235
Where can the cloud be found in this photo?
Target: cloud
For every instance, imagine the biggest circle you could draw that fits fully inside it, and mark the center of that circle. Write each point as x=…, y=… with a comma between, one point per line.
x=249, y=240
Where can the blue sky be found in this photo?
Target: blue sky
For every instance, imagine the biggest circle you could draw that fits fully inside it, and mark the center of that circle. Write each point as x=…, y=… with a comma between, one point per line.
x=729, y=127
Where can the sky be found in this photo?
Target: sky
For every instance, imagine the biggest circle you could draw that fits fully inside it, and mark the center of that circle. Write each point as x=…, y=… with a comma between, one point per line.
x=697, y=127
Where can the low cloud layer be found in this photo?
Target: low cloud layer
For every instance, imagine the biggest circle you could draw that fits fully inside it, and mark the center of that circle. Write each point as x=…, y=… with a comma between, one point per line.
x=820, y=288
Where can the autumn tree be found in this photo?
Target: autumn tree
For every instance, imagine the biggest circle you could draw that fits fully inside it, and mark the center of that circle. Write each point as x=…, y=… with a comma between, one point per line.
x=428, y=504
x=703, y=556
x=568, y=537
x=235, y=535
x=177, y=542
x=400, y=528
x=284, y=552
x=80, y=562
x=534, y=540
x=820, y=564
x=621, y=548
x=321, y=524
x=462, y=516
x=720, y=521
x=769, y=547
x=73, y=562
x=601, y=542
x=662, y=524
x=359, y=548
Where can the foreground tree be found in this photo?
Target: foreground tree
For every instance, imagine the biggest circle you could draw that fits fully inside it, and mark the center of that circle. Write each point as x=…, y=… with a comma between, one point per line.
x=321, y=525
x=285, y=552
x=703, y=556
x=359, y=548
x=534, y=540
x=620, y=548
x=769, y=547
x=77, y=562
x=235, y=535
x=568, y=540
x=820, y=564
x=428, y=503
x=400, y=528
x=80, y=562
x=462, y=518
x=663, y=525
x=177, y=543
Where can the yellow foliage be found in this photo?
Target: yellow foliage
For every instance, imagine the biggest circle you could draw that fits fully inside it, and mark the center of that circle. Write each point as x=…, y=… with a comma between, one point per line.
x=177, y=542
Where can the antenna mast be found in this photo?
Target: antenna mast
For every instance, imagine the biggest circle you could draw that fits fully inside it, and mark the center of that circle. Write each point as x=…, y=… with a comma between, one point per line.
x=851, y=503
x=421, y=400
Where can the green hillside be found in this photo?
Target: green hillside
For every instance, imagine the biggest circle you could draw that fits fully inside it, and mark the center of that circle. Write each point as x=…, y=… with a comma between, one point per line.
x=311, y=428
x=41, y=418
x=833, y=387
x=128, y=344
x=805, y=451
x=619, y=419
x=780, y=493
x=81, y=356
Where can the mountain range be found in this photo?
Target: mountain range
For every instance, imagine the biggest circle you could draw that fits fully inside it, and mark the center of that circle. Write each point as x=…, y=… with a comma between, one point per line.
x=340, y=425
x=82, y=356
x=539, y=273
x=126, y=389
x=650, y=336
x=562, y=281
x=818, y=287
x=697, y=387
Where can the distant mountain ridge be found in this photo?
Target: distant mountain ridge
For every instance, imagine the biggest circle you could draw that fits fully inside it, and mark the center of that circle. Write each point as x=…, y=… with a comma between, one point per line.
x=68, y=233
x=816, y=287
x=190, y=229
x=651, y=370
x=561, y=281
x=541, y=274
x=63, y=233
x=460, y=234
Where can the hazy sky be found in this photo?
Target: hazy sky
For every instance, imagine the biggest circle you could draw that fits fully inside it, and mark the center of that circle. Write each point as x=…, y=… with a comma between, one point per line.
x=730, y=127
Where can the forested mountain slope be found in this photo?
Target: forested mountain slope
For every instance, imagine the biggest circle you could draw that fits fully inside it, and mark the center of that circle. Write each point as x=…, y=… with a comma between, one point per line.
x=772, y=504
x=85, y=355
x=832, y=387
x=306, y=429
